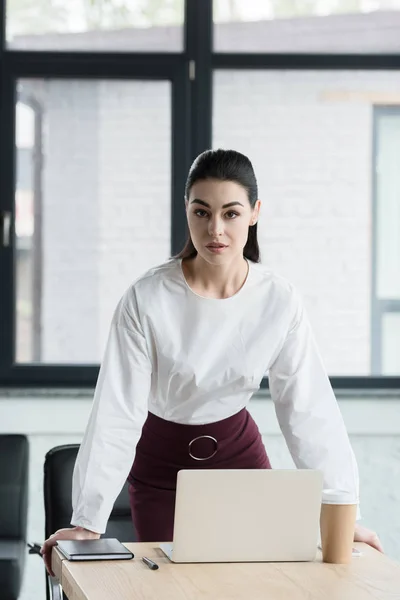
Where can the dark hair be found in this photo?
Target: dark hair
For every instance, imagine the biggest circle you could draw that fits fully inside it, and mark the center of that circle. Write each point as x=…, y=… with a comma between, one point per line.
x=225, y=165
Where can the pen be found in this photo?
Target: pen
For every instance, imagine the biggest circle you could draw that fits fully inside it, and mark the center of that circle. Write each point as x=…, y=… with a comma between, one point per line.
x=152, y=565
x=34, y=548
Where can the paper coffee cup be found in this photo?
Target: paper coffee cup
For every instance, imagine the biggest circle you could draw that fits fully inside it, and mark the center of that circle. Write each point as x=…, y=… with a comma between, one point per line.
x=337, y=522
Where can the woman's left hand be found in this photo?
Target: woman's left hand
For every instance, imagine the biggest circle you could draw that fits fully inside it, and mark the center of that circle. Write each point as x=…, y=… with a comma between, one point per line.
x=362, y=534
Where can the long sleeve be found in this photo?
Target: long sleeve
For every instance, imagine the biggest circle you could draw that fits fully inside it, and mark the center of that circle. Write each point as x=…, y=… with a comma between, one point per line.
x=307, y=410
x=118, y=413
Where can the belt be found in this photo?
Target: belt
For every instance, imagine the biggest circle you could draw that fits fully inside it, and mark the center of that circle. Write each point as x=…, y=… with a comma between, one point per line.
x=209, y=437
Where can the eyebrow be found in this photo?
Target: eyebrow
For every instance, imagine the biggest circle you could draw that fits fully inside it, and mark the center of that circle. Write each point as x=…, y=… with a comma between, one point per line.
x=203, y=203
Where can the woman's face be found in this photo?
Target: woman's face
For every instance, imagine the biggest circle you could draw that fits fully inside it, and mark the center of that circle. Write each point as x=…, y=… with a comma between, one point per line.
x=219, y=215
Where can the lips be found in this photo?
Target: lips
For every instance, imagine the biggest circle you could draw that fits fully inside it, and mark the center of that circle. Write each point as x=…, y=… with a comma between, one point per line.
x=216, y=245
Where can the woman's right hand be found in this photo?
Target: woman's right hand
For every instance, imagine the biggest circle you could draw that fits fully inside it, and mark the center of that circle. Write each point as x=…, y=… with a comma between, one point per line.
x=69, y=533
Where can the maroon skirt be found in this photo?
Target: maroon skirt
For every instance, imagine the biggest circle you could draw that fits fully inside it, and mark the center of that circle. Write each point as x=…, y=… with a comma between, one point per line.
x=166, y=447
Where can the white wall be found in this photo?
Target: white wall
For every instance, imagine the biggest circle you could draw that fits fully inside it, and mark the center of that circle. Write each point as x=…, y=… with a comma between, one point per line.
x=373, y=423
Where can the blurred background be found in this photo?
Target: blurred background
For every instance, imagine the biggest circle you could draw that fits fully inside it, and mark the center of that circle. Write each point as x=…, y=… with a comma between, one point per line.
x=103, y=106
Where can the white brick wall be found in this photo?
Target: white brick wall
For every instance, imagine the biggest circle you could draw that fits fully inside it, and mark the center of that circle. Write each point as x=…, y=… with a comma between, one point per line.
x=134, y=186
x=312, y=153
x=106, y=205
x=70, y=222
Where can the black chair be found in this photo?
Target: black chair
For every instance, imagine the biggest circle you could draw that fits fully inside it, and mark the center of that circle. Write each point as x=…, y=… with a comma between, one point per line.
x=58, y=469
x=14, y=466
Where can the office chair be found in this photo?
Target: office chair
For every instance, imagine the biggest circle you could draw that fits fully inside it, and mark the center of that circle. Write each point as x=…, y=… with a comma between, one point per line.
x=58, y=467
x=14, y=466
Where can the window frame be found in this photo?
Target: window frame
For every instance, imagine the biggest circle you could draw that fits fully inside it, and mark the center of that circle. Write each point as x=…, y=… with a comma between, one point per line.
x=191, y=134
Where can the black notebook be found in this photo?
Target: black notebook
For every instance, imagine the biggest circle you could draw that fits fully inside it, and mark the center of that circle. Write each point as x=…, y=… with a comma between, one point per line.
x=102, y=549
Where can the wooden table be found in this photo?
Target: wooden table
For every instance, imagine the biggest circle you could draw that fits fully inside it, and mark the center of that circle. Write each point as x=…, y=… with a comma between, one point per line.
x=372, y=576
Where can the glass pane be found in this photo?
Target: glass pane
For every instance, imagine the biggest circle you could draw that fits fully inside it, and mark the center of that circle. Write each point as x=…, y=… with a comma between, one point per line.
x=24, y=229
x=388, y=205
x=98, y=25
x=310, y=138
x=93, y=203
x=332, y=26
x=391, y=344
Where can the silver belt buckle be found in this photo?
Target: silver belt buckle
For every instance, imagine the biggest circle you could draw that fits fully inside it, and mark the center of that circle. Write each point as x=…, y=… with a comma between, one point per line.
x=200, y=437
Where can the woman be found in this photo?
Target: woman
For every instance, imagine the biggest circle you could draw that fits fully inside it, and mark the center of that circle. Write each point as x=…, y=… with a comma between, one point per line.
x=189, y=343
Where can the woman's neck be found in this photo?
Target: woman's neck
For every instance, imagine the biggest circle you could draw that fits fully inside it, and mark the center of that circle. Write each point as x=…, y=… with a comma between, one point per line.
x=215, y=281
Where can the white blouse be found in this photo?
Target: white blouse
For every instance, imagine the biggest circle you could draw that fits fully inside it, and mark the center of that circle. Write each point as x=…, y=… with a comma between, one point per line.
x=194, y=360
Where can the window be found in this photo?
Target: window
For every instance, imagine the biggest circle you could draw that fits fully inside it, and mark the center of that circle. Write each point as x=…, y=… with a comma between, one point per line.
x=92, y=208
x=102, y=25
x=386, y=284
x=309, y=134
x=390, y=358
x=105, y=104
x=298, y=26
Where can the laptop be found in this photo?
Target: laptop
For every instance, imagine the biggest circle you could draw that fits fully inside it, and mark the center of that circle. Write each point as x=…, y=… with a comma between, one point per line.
x=246, y=515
